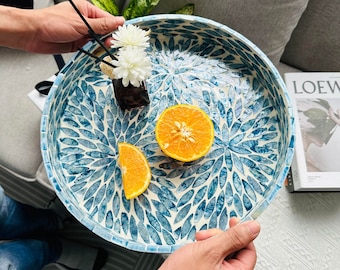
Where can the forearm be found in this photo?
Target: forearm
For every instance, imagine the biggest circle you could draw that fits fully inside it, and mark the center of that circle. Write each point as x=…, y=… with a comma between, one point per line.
x=16, y=27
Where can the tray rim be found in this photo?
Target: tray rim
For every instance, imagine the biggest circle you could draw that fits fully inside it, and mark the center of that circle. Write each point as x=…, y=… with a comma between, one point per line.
x=154, y=248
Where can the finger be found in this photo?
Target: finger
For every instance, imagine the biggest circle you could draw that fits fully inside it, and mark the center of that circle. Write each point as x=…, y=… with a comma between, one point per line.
x=202, y=235
x=79, y=43
x=105, y=25
x=234, y=239
x=93, y=11
x=108, y=42
x=233, y=221
x=205, y=234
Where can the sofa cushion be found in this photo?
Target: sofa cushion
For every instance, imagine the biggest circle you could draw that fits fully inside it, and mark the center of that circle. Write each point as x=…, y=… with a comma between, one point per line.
x=315, y=43
x=267, y=23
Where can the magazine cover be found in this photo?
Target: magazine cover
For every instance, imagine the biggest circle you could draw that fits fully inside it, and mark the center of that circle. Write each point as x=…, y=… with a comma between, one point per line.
x=316, y=100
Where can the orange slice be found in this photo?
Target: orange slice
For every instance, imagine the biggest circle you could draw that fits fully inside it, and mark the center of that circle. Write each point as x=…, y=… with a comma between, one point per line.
x=184, y=132
x=135, y=168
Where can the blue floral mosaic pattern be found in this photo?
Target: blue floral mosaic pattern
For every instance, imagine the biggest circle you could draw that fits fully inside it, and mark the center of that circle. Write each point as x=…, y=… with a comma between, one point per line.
x=195, y=61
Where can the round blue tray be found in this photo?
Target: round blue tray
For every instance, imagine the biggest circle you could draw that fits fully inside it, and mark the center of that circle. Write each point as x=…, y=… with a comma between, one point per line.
x=195, y=61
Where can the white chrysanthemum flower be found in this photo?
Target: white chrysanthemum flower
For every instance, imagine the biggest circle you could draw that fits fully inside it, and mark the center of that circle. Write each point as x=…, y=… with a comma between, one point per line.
x=132, y=66
x=130, y=36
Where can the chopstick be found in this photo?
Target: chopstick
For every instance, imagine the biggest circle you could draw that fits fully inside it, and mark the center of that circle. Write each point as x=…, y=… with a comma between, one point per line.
x=96, y=57
x=91, y=32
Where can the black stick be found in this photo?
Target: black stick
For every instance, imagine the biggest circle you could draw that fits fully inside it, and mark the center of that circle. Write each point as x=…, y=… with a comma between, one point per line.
x=91, y=32
x=96, y=57
x=59, y=60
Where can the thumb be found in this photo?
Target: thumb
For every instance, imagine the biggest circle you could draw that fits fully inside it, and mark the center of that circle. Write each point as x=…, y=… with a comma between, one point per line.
x=105, y=25
x=235, y=238
x=205, y=234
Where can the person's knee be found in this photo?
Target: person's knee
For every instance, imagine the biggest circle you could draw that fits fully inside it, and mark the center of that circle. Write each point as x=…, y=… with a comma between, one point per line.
x=26, y=254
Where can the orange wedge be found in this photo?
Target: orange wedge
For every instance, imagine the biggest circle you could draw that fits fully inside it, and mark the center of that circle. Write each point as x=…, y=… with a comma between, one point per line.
x=184, y=132
x=135, y=169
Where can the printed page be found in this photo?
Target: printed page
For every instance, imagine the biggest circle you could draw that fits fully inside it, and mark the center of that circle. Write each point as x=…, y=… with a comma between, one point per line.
x=316, y=98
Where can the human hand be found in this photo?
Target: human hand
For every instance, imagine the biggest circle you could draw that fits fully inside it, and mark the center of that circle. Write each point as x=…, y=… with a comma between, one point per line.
x=214, y=249
x=59, y=28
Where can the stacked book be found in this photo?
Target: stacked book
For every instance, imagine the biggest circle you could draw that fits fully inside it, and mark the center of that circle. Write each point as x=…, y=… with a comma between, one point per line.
x=316, y=101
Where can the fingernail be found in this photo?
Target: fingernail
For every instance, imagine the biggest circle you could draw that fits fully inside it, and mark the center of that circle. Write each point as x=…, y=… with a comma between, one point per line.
x=121, y=19
x=254, y=227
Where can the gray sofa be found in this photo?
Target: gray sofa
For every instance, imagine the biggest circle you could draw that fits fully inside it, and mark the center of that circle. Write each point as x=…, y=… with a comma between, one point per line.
x=297, y=35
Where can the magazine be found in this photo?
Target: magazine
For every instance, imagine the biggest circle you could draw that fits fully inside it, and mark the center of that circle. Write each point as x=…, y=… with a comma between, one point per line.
x=316, y=102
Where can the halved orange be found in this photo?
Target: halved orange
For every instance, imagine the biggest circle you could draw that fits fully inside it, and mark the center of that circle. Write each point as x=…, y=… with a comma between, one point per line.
x=184, y=132
x=135, y=168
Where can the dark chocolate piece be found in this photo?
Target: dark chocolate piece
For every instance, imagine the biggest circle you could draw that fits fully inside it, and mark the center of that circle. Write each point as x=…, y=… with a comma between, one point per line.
x=130, y=97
